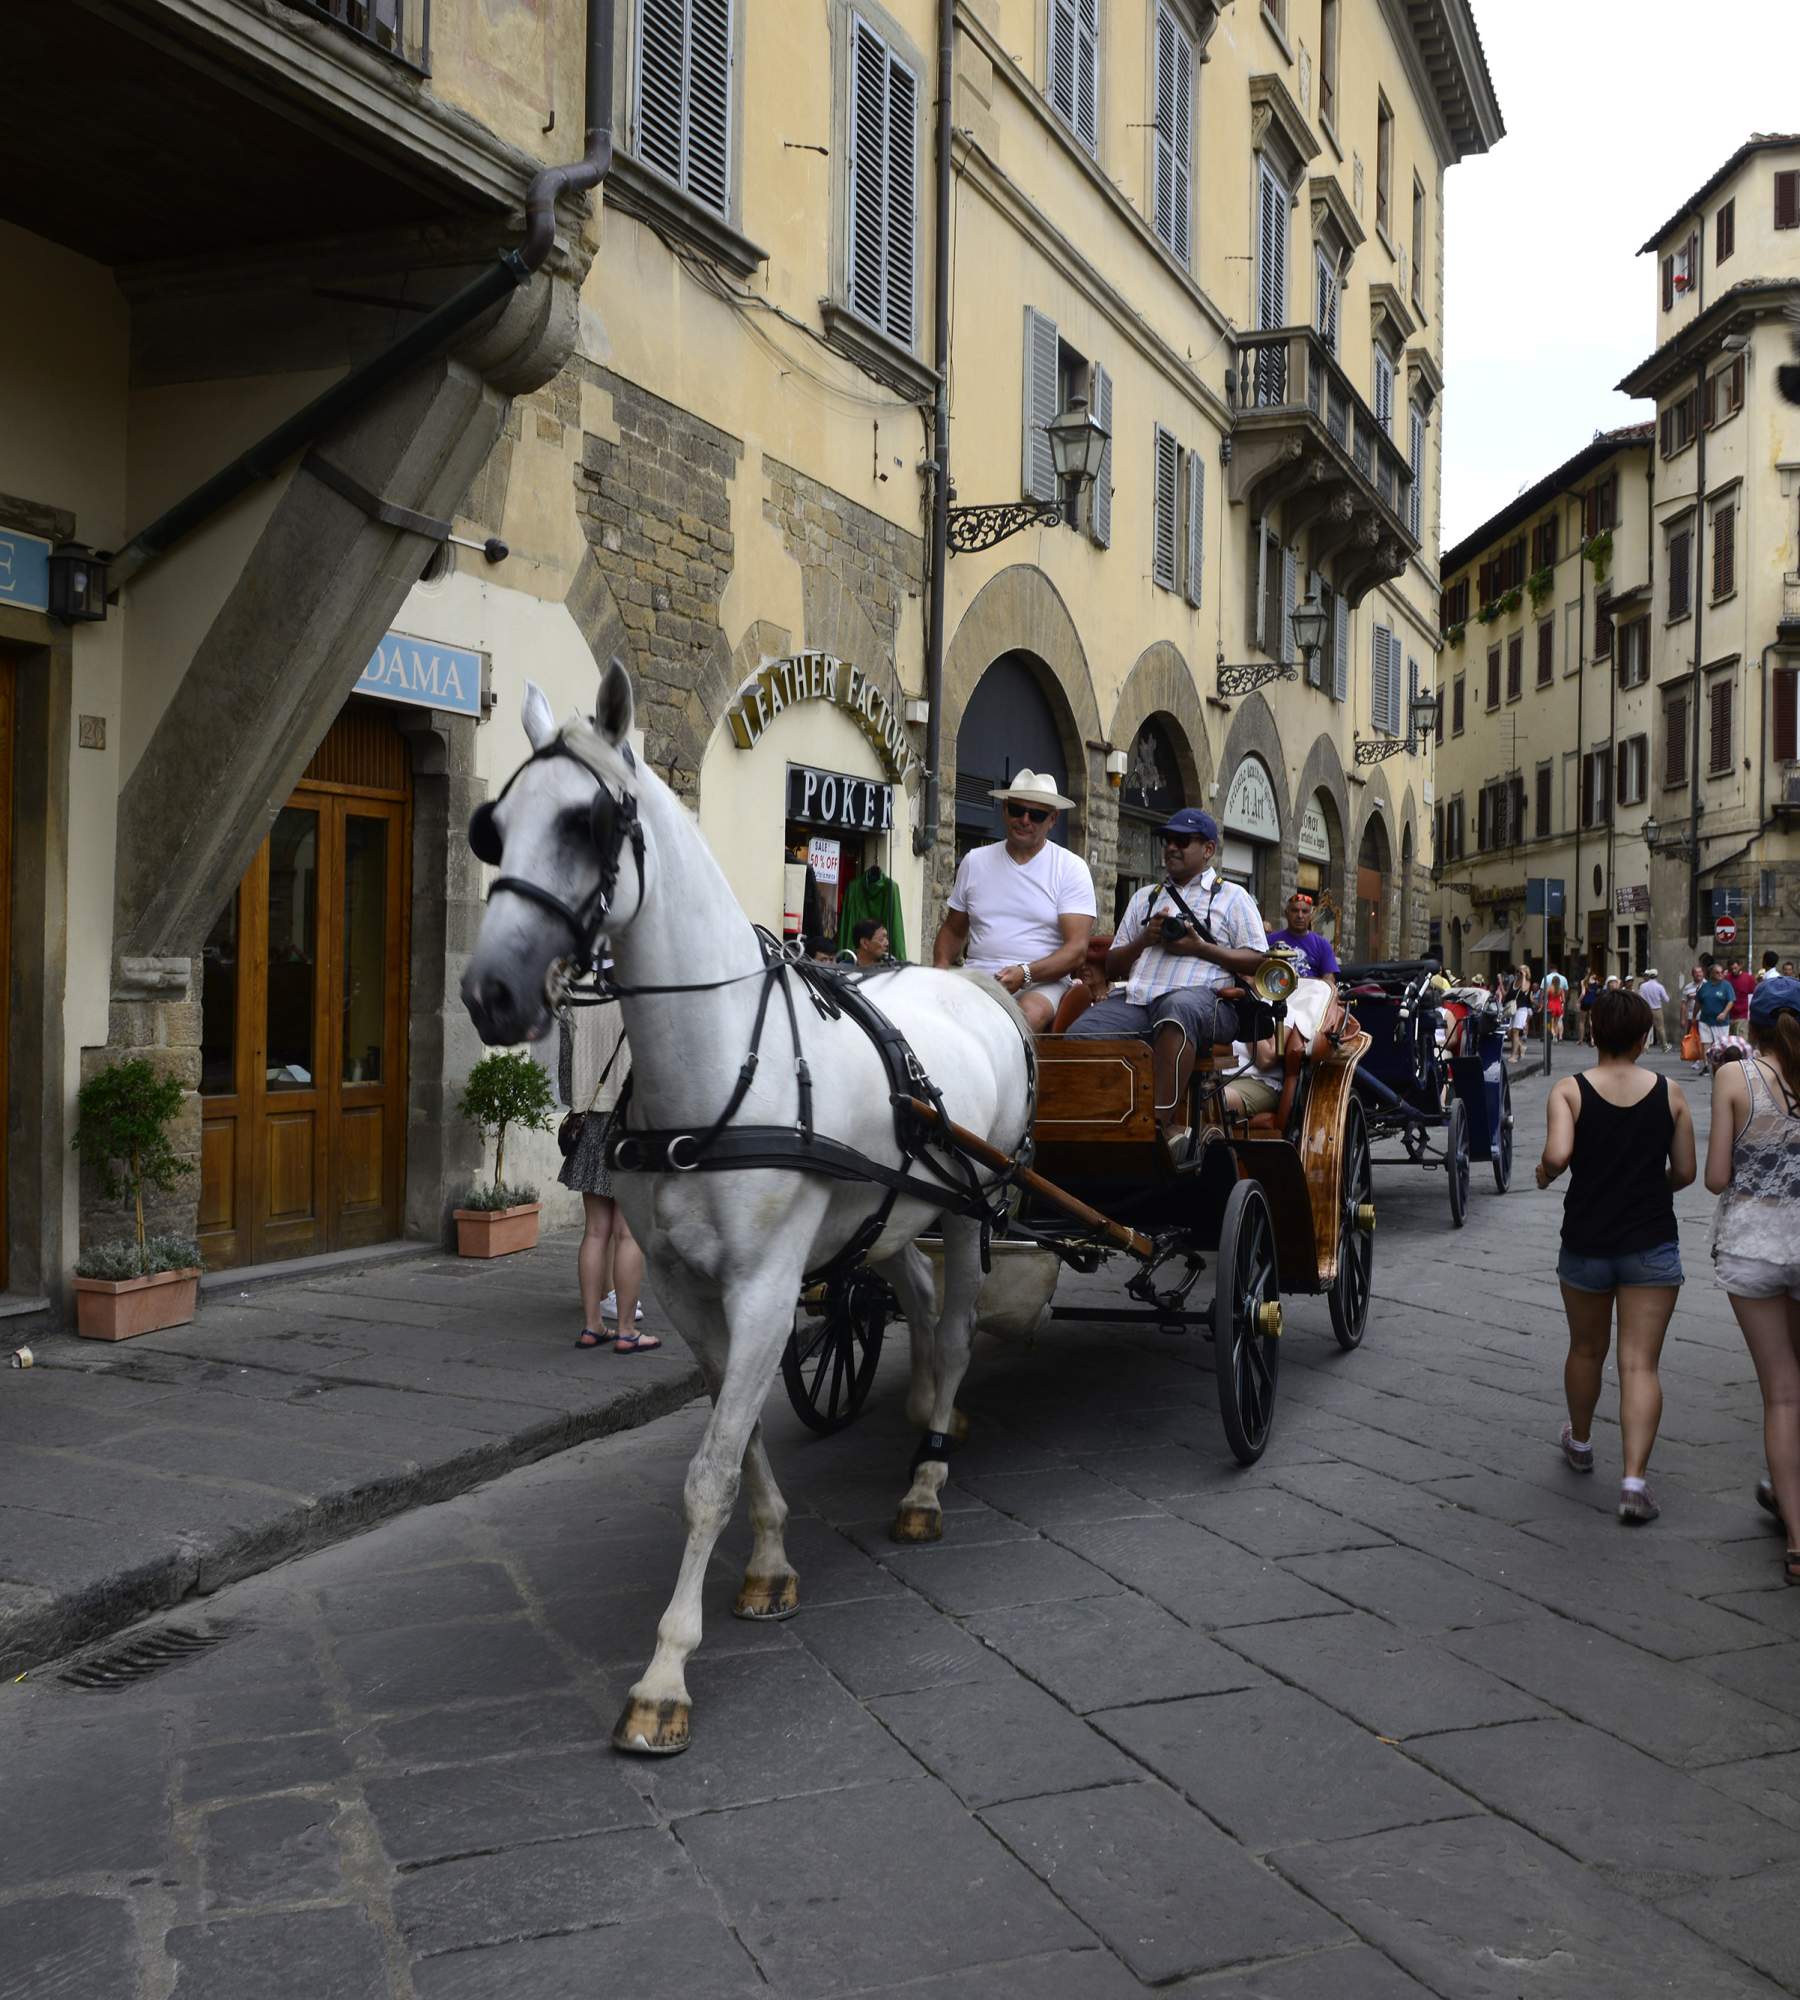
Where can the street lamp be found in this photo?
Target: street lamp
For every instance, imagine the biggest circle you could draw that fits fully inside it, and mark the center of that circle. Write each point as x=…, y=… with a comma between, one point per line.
x=1078, y=441
x=1659, y=838
x=1309, y=622
x=1421, y=721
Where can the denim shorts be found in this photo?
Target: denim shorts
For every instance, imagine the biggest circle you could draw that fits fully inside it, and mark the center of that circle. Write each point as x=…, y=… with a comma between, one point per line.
x=1659, y=1265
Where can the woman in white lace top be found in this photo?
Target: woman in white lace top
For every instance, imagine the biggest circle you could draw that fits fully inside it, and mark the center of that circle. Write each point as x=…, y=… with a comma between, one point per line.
x=1753, y=1166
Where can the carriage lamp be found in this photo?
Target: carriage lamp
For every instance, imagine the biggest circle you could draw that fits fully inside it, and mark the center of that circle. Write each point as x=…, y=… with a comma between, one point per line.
x=1309, y=622
x=77, y=591
x=1421, y=725
x=1078, y=441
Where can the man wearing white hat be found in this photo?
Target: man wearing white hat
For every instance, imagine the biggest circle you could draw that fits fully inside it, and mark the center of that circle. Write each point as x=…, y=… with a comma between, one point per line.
x=1023, y=908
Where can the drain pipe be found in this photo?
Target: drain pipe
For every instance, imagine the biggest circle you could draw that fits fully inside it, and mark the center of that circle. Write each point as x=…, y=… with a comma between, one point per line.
x=926, y=833
x=512, y=269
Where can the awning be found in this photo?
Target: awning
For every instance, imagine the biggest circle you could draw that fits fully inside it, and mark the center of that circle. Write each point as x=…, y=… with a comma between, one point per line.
x=1493, y=941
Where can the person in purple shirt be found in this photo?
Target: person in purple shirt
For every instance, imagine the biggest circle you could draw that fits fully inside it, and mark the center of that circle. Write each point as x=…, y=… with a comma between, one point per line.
x=1321, y=960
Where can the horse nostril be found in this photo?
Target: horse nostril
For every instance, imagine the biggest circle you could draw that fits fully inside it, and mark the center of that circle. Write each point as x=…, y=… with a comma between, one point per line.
x=496, y=997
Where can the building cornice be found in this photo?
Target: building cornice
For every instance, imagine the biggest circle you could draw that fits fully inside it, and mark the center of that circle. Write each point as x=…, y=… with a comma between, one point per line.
x=1447, y=67
x=1331, y=210
x=1274, y=111
x=1698, y=341
x=1604, y=446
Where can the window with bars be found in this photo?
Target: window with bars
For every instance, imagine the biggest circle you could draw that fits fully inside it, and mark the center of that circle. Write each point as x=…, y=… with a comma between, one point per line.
x=1784, y=715
x=1724, y=231
x=1725, y=392
x=1546, y=651
x=1718, y=728
x=682, y=124
x=1546, y=779
x=1634, y=653
x=399, y=28
x=1173, y=170
x=1493, y=677
x=883, y=167
x=1681, y=571
x=1384, y=166
x=1633, y=770
x=1075, y=67
x=1787, y=199
x=1456, y=706
x=1724, y=550
x=1675, y=740
x=1515, y=666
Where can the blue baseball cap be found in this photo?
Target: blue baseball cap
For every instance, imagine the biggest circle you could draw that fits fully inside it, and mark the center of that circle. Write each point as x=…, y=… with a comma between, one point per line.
x=1190, y=820
x=1774, y=997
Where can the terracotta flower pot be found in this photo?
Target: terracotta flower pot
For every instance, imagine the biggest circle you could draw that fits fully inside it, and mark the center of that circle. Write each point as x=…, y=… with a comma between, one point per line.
x=120, y=1309
x=496, y=1232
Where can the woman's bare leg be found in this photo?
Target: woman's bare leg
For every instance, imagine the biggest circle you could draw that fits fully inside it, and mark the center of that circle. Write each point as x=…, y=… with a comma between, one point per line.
x=1772, y=1334
x=1590, y=1336
x=591, y=1260
x=1644, y=1314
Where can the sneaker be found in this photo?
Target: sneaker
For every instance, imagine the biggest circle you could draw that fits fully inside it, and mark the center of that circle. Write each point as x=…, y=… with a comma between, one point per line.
x=1579, y=1457
x=609, y=1307
x=1636, y=1506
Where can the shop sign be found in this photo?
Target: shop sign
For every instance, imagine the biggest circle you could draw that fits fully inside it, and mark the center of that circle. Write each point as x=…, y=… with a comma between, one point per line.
x=1250, y=804
x=798, y=677
x=834, y=798
x=822, y=858
x=423, y=674
x=24, y=570
x=1632, y=902
x=1314, y=843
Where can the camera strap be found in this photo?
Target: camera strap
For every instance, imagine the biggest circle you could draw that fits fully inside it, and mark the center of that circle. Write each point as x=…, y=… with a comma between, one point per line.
x=1201, y=924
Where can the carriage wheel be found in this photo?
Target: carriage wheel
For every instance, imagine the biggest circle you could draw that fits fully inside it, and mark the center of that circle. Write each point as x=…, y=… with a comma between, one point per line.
x=1349, y=1296
x=1503, y=1138
x=1456, y=1159
x=829, y=1362
x=1246, y=1322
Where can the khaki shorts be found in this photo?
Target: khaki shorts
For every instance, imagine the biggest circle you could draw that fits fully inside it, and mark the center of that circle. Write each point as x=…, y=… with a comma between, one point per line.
x=1254, y=1093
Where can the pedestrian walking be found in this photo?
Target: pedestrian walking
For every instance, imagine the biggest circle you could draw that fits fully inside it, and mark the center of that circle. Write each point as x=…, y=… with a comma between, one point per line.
x=1590, y=992
x=1627, y=1138
x=1655, y=996
x=592, y=1067
x=1556, y=995
x=1753, y=1166
x=1713, y=1002
x=1743, y=984
x=1519, y=1000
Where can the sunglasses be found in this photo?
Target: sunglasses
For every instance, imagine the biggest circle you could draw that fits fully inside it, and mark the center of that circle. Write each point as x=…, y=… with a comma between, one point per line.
x=1036, y=814
x=1182, y=839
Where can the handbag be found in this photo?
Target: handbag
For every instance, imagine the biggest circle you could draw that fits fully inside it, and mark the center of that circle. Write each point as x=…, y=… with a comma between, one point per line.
x=1690, y=1046
x=568, y=1133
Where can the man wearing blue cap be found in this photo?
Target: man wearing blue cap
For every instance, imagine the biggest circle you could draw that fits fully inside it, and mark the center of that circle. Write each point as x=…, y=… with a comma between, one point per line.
x=1179, y=943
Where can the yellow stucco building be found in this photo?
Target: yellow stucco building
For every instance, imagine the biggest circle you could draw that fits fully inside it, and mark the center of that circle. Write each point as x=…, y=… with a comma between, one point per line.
x=714, y=417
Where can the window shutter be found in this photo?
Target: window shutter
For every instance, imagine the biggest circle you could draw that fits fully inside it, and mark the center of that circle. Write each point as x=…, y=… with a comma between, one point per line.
x=1181, y=243
x=1493, y=686
x=1675, y=718
x=662, y=84
x=1719, y=726
x=1724, y=551
x=1456, y=706
x=1288, y=574
x=1546, y=654
x=883, y=185
x=1041, y=397
x=1415, y=453
x=1384, y=392
x=1668, y=283
x=1666, y=423
x=902, y=202
x=1787, y=200
x=1167, y=466
x=1515, y=666
x=1062, y=57
x=1378, y=680
x=683, y=125
x=1196, y=526
x=1725, y=240
x=1100, y=498
x=1680, y=564
x=1174, y=134
x=1340, y=650
x=1737, y=383
x=1543, y=798
x=1074, y=65
x=1272, y=240
x=1784, y=731
x=1587, y=791
x=1483, y=800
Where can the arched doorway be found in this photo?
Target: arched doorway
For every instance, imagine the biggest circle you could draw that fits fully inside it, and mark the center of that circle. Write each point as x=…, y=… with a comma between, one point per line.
x=304, y=1014
x=1007, y=727
x=1319, y=869
x=1250, y=852
x=1406, y=892
x=1374, y=858
x=1151, y=792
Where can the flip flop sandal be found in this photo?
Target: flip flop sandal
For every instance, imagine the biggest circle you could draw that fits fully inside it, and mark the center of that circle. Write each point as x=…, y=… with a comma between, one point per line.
x=635, y=1343
x=1765, y=1497
x=589, y=1338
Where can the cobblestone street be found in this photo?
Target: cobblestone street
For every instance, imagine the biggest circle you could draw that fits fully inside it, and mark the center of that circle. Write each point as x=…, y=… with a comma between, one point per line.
x=1402, y=1710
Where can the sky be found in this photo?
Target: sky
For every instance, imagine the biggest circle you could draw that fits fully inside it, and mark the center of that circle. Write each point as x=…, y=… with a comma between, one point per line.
x=1616, y=111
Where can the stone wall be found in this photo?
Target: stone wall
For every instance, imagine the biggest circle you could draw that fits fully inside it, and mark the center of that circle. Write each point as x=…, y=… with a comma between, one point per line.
x=882, y=565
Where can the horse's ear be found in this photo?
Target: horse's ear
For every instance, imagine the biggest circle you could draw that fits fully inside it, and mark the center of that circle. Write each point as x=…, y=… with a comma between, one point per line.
x=534, y=712
x=613, y=711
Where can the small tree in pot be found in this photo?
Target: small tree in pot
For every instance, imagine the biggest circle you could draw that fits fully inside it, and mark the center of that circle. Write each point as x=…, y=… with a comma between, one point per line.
x=504, y=1090
x=136, y=1285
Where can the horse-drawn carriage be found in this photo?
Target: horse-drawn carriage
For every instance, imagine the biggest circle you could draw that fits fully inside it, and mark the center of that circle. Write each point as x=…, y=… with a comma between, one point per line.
x=1435, y=1073
x=1280, y=1202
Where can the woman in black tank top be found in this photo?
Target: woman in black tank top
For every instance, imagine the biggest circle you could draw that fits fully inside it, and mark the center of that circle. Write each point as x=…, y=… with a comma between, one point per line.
x=1628, y=1139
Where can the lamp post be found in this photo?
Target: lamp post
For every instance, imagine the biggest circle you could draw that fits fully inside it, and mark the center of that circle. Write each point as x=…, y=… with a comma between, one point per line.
x=1309, y=622
x=1078, y=441
x=1421, y=720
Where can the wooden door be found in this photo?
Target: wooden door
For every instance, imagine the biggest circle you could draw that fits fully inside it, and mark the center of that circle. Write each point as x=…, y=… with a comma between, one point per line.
x=304, y=1041
x=1371, y=928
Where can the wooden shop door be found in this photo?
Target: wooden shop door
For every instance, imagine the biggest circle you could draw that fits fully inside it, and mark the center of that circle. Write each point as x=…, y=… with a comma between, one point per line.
x=304, y=1058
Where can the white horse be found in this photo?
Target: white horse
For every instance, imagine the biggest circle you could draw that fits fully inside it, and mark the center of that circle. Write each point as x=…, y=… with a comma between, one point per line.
x=730, y=1248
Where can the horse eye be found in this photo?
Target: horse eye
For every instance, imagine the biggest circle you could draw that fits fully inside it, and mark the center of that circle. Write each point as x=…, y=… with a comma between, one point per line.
x=573, y=822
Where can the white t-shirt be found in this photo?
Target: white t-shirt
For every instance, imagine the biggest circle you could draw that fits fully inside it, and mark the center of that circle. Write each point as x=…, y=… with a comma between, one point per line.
x=1014, y=907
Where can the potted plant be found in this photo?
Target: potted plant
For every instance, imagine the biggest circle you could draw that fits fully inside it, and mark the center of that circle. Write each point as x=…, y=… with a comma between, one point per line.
x=1540, y=583
x=140, y=1283
x=1597, y=549
x=504, y=1090
x=1453, y=636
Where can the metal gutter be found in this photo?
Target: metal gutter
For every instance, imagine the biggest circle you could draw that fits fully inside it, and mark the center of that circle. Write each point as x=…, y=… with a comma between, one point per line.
x=362, y=384
x=925, y=834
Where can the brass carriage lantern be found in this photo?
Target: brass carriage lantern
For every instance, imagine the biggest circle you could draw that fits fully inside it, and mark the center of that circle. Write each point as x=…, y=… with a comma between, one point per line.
x=1421, y=724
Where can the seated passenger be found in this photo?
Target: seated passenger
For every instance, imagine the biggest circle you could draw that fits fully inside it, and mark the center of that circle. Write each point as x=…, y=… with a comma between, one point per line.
x=1181, y=941
x=1321, y=960
x=869, y=936
x=1092, y=984
x=1254, y=1081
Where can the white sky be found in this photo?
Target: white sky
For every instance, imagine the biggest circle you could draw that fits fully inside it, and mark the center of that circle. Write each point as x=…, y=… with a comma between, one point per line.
x=1616, y=111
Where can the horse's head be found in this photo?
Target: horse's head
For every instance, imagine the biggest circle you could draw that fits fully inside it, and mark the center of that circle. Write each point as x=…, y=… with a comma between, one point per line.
x=565, y=836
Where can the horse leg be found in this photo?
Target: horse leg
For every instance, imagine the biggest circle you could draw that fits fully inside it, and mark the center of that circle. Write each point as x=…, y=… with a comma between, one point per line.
x=749, y=1328
x=921, y=1516
x=910, y=1275
x=770, y=1588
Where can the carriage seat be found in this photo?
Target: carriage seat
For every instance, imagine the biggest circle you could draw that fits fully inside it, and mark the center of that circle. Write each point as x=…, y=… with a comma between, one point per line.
x=1295, y=1055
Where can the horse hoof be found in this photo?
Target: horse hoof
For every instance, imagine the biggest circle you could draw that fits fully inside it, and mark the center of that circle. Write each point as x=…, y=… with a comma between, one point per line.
x=959, y=1427
x=919, y=1524
x=768, y=1597
x=653, y=1728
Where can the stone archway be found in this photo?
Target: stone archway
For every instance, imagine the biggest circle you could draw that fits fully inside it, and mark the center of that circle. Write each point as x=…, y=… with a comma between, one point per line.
x=1254, y=734
x=1322, y=779
x=1158, y=716
x=1020, y=612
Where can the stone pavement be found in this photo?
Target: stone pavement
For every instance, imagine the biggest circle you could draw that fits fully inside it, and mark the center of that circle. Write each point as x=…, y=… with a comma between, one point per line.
x=1400, y=1711
x=284, y=1418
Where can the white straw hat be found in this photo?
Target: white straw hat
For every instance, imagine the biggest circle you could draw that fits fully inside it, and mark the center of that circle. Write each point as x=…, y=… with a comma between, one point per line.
x=1034, y=788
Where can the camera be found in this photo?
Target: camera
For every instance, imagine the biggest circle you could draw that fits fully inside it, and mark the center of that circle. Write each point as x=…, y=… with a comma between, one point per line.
x=1174, y=929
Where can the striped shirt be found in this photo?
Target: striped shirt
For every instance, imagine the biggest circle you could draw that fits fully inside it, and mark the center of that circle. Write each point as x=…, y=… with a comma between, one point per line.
x=1229, y=913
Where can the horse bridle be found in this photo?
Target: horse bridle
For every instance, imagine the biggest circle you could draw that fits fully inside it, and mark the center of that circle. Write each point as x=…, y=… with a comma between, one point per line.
x=612, y=822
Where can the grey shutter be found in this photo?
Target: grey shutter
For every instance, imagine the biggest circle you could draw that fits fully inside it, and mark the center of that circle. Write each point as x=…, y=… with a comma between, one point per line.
x=1062, y=57
x=1163, y=175
x=1288, y=569
x=1272, y=235
x=1340, y=650
x=1412, y=692
x=708, y=176
x=1378, y=680
x=1183, y=148
x=902, y=201
x=1325, y=301
x=1100, y=499
x=1041, y=397
x=1196, y=525
x=1162, y=554
x=662, y=84
x=1384, y=392
x=883, y=183
x=1415, y=442
x=1087, y=74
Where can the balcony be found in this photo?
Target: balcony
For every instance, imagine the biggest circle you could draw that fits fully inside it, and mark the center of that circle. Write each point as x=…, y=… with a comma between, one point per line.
x=1303, y=440
x=398, y=28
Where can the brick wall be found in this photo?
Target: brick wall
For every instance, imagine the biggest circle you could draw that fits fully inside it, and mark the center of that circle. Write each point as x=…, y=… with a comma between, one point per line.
x=882, y=565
